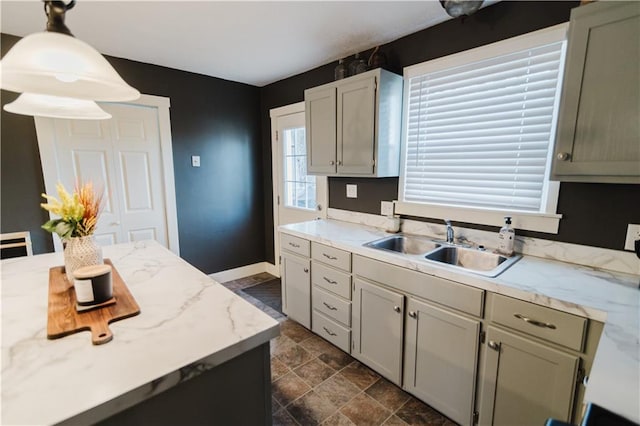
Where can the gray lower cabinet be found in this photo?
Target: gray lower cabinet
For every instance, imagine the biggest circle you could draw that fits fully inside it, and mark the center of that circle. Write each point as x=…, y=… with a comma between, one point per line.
x=525, y=382
x=598, y=136
x=440, y=358
x=377, y=329
x=296, y=288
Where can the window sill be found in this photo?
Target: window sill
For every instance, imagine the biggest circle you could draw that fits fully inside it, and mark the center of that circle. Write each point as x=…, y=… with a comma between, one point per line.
x=539, y=222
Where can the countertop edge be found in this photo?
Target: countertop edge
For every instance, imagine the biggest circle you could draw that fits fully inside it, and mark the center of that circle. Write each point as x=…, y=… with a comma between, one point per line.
x=170, y=380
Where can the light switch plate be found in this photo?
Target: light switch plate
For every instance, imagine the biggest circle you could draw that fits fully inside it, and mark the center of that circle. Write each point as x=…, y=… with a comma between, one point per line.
x=386, y=208
x=633, y=234
x=352, y=191
x=195, y=161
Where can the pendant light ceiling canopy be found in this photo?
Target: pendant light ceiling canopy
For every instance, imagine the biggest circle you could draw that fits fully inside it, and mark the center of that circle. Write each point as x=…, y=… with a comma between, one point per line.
x=57, y=65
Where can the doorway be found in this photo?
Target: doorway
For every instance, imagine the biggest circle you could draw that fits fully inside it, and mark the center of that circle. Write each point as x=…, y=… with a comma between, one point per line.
x=297, y=197
x=129, y=157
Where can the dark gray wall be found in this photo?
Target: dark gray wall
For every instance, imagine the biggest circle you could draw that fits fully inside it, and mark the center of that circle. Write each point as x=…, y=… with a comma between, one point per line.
x=220, y=205
x=594, y=214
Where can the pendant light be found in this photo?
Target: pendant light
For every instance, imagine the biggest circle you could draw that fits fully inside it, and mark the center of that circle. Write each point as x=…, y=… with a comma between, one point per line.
x=59, y=66
x=56, y=107
x=457, y=8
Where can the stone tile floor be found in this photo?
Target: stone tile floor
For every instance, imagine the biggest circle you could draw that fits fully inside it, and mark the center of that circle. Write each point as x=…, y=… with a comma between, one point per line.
x=313, y=382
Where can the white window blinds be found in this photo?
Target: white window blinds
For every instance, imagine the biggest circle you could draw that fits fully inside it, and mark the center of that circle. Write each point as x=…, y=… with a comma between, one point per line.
x=479, y=133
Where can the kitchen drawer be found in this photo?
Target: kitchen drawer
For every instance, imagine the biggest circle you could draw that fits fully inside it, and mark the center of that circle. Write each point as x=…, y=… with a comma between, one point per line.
x=546, y=323
x=331, y=331
x=331, y=279
x=331, y=256
x=295, y=244
x=448, y=293
x=332, y=306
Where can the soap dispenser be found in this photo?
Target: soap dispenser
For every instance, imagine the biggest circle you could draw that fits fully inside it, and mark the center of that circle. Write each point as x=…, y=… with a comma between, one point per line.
x=506, y=237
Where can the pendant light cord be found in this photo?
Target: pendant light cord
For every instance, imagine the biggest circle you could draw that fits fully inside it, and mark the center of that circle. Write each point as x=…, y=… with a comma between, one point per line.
x=55, y=11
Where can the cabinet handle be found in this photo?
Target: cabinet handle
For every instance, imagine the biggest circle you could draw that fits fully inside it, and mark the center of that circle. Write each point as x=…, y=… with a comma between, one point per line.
x=294, y=245
x=339, y=163
x=329, y=332
x=563, y=156
x=332, y=162
x=396, y=308
x=333, y=308
x=330, y=281
x=494, y=345
x=413, y=314
x=328, y=256
x=535, y=322
x=306, y=270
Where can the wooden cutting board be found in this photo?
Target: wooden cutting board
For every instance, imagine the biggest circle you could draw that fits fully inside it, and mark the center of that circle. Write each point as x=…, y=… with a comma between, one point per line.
x=63, y=318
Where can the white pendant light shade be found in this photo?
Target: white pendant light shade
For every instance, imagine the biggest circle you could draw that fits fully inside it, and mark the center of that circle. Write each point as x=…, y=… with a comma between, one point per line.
x=55, y=64
x=56, y=107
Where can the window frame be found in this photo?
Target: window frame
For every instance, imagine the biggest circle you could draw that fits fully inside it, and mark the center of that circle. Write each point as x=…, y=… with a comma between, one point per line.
x=547, y=221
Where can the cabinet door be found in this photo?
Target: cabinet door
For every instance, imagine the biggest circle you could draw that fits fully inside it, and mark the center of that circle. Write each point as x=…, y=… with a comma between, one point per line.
x=441, y=353
x=320, y=120
x=377, y=329
x=598, y=126
x=525, y=382
x=356, y=126
x=296, y=288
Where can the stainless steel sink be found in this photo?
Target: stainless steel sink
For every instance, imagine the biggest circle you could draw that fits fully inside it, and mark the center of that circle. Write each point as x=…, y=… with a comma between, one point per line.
x=405, y=244
x=473, y=260
x=449, y=255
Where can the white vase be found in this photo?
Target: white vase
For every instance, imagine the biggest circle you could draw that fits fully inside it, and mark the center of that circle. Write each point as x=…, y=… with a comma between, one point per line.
x=79, y=252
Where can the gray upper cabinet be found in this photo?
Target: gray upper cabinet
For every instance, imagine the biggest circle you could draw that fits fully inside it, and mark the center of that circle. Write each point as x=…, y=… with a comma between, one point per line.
x=598, y=137
x=354, y=126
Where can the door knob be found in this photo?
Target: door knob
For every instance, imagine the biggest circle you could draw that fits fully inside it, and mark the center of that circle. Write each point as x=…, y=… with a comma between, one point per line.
x=396, y=308
x=563, y=156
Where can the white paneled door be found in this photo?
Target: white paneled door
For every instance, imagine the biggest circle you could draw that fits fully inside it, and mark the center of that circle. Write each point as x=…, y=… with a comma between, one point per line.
x=123, y=156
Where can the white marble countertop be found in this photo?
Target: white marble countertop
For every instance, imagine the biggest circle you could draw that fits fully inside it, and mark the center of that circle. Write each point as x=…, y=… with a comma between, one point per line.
x=188, y=323
x=610, y=297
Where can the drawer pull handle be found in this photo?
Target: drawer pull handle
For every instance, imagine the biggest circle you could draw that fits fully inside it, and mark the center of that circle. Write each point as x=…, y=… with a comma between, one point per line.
x=494, y=345
x=306, y=270
x=330, y=281
x=333, y=308
x=413, y=314
x=294, y=245
x=329, y=332
x=328, y=256
x=535, y=322
x=396, y=308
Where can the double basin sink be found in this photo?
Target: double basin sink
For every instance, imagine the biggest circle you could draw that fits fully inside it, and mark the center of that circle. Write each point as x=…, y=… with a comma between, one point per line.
x=475, y=260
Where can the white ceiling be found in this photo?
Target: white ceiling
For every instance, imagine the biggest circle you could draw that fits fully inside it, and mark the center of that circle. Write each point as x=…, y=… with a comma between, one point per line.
x=245, y=41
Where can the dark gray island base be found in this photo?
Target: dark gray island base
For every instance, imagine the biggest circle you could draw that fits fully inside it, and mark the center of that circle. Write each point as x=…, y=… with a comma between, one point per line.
x=237, y=392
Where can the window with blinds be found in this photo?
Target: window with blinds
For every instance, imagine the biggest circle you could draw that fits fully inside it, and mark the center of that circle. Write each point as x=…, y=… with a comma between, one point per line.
x=479, y=132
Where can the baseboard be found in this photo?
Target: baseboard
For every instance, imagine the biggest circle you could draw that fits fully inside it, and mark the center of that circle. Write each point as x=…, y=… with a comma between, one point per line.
x=245, y=271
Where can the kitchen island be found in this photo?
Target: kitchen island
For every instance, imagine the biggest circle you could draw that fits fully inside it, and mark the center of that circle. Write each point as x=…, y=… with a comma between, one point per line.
x=196, y=353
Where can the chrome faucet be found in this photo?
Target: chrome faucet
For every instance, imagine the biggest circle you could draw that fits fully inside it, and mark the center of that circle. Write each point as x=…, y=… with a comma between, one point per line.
x=449, y=231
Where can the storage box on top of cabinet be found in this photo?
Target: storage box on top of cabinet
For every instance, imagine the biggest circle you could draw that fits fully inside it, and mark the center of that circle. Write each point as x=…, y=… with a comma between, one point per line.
x=354, y=126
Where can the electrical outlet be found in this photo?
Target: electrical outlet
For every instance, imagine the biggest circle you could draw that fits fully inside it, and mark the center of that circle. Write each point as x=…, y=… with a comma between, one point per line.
x=633, y=234
x=386, y=208
x=352, y=191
